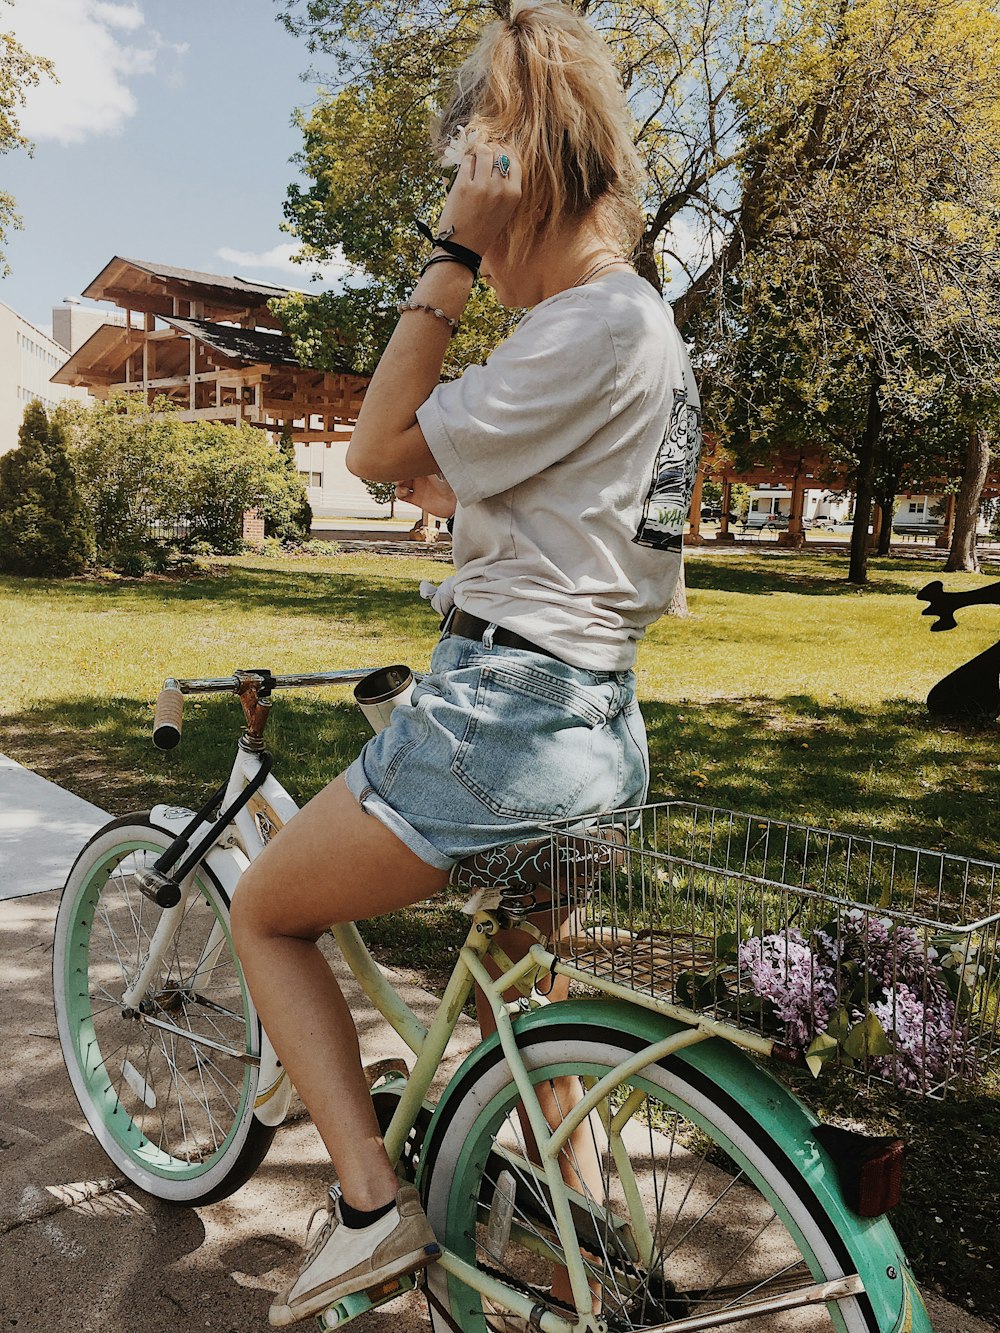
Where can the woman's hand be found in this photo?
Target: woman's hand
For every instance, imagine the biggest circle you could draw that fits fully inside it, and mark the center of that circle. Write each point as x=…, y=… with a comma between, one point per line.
x=431, y=493
x=481, y=200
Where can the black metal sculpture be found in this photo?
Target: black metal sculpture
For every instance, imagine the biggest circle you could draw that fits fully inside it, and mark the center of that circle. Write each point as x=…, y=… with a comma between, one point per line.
x=971, y=691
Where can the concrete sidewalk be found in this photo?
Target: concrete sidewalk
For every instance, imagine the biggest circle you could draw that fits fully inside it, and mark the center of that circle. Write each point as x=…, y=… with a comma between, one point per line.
x=42, y=828
x=83, y=1249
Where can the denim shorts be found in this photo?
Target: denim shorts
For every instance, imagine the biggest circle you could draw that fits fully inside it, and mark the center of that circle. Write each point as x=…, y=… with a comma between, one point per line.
x=497, y=742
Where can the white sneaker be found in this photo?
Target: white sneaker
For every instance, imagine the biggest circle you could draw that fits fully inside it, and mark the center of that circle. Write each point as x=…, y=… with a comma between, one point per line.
x=341, y=1260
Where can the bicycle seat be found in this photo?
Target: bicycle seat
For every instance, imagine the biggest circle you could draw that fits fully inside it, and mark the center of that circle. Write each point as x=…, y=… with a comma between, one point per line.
x=529, y=873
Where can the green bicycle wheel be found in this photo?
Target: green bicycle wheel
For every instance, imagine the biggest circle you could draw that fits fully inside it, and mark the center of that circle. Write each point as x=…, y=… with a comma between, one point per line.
x=709, y=1193
x=168, y=1087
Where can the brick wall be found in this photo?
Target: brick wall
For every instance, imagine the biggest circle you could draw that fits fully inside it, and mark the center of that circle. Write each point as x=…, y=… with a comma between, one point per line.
x=253, y=527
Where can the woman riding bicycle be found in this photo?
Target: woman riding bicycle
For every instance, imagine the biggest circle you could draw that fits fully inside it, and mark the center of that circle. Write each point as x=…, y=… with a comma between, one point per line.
x=571, y=456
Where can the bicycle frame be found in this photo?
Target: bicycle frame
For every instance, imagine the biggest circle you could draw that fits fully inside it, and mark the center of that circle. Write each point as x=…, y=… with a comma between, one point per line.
x=243, y=838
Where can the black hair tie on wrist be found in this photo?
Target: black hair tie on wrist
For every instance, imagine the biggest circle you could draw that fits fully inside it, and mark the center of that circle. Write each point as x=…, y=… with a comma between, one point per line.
x=459, y=253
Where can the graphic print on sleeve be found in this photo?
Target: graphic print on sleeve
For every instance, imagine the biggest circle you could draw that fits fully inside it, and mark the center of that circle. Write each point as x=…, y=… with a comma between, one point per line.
x=669, y=498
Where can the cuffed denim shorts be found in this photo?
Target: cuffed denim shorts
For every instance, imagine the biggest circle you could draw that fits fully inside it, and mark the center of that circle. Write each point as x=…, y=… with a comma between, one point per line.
x=497, y=742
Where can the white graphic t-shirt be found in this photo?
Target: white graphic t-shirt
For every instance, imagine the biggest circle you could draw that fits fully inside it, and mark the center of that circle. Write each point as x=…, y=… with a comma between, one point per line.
x=573, y=452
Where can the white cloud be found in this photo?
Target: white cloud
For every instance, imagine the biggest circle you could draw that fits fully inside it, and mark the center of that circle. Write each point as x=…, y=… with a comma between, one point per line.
x=118, y=15
x=97, y=48
x=279, y=259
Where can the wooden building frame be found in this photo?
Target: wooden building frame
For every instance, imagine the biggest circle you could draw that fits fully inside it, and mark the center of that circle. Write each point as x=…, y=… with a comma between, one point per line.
x=213, y=348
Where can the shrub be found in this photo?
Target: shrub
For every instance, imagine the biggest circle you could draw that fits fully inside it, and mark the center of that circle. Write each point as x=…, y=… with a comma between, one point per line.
x=45, y=527
x=142, y=471
x=128, y=459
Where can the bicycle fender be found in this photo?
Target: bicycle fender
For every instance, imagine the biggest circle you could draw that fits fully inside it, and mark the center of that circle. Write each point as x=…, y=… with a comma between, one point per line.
x=227, y=864
x=872, y=1243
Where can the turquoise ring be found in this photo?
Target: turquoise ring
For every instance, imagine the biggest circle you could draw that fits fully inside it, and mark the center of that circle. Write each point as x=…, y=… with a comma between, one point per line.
x=502, y=164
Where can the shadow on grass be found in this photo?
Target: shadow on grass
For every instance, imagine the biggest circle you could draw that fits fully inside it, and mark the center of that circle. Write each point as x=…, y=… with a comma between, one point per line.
x=101, y=748
x=809, y=574
x=890, y=772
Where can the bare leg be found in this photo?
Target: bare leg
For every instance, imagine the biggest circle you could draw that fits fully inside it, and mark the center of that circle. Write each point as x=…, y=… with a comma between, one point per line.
x=333, y=863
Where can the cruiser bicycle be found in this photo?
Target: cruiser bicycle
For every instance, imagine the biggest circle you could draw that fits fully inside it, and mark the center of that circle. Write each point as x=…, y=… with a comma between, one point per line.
x=629, y=1135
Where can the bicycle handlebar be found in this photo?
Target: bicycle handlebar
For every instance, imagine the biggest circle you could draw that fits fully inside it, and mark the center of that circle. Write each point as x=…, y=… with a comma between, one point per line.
x=168, y=716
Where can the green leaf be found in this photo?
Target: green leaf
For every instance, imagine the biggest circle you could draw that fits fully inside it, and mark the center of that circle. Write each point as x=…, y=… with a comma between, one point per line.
x=821, y=1048
x=727, y=945
x=839, y=1025
x=698, y=989
x=868, y=1039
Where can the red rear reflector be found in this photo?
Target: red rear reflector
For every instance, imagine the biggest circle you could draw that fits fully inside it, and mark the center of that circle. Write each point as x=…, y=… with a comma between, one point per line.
x=870, y=1170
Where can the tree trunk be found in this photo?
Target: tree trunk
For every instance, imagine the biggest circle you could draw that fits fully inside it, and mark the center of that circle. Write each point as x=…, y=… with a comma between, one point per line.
x=886, y=501
x=679, y=603
x=962, y=555
x=865, y=490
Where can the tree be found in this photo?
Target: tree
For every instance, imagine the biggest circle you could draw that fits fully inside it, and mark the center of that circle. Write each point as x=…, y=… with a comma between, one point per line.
x=382, y=492
x=44, y=523
x=874, y=222
x=128, y=458
x=682, y=62
x=299, y=527
x=19, y=72
x=228, y=470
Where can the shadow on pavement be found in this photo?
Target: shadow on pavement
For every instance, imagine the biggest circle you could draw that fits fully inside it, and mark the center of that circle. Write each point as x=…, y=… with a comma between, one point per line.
x=83, y=1249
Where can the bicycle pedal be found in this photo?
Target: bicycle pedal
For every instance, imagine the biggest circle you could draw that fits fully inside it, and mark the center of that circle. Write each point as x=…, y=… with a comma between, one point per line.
x=349, y=1307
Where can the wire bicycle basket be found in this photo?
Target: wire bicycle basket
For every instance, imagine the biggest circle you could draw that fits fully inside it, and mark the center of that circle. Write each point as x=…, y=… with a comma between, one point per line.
x=834, y=946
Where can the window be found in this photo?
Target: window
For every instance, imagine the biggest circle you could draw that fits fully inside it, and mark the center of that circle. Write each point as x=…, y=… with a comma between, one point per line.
x=914, y=507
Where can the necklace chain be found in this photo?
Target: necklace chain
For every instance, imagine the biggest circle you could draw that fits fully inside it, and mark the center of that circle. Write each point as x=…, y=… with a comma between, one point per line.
x=592, y=272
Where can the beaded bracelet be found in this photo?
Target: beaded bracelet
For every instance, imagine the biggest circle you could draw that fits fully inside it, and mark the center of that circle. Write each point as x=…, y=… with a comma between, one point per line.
x=404, y=306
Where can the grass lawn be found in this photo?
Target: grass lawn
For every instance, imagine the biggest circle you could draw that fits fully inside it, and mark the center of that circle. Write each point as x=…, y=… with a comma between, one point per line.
x=785, y=692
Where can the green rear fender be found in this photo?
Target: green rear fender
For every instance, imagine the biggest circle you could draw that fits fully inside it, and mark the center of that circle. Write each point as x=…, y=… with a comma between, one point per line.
x=871, y=1242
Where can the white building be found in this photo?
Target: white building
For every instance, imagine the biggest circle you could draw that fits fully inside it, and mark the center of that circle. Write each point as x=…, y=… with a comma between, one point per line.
x=73, y=322
x=333, y=491
x=773, y=504
x=28, y=360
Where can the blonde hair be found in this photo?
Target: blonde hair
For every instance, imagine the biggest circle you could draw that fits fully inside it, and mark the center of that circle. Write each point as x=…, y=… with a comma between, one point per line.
x=542, y=82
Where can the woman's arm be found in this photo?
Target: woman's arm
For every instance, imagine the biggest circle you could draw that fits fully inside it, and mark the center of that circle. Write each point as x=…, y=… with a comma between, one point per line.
x=387, y=442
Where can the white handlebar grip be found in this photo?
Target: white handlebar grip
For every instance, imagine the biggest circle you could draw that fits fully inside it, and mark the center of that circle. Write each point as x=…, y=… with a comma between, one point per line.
x=168, y=718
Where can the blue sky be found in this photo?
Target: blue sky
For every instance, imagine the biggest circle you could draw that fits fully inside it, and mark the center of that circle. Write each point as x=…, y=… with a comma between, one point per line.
x=168, y=139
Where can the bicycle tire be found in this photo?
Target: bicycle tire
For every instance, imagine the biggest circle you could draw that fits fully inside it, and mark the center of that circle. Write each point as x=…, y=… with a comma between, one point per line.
x=175, y=1115
x=715, y=1180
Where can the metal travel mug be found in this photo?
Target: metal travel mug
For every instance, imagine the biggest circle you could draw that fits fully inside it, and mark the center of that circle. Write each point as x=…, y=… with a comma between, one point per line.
x=382, y=691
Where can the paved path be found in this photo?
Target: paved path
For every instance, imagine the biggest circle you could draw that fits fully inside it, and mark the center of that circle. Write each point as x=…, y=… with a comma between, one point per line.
x=81, y=1249
x=42, y=827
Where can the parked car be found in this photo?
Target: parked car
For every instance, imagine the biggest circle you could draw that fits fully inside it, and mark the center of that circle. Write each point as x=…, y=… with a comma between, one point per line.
x=714, y=513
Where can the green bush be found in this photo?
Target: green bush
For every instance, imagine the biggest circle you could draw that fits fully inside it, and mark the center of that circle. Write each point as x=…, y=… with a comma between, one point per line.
x=45, y=526
x=142, y=471
x=127, y=457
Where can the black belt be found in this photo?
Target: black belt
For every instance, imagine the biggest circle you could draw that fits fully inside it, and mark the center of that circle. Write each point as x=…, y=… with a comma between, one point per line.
x=471, y=627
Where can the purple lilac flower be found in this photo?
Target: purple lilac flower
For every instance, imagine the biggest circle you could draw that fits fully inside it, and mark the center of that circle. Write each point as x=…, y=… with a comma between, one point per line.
x=892, y=956
x=783, y=970
x=929, y=1042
